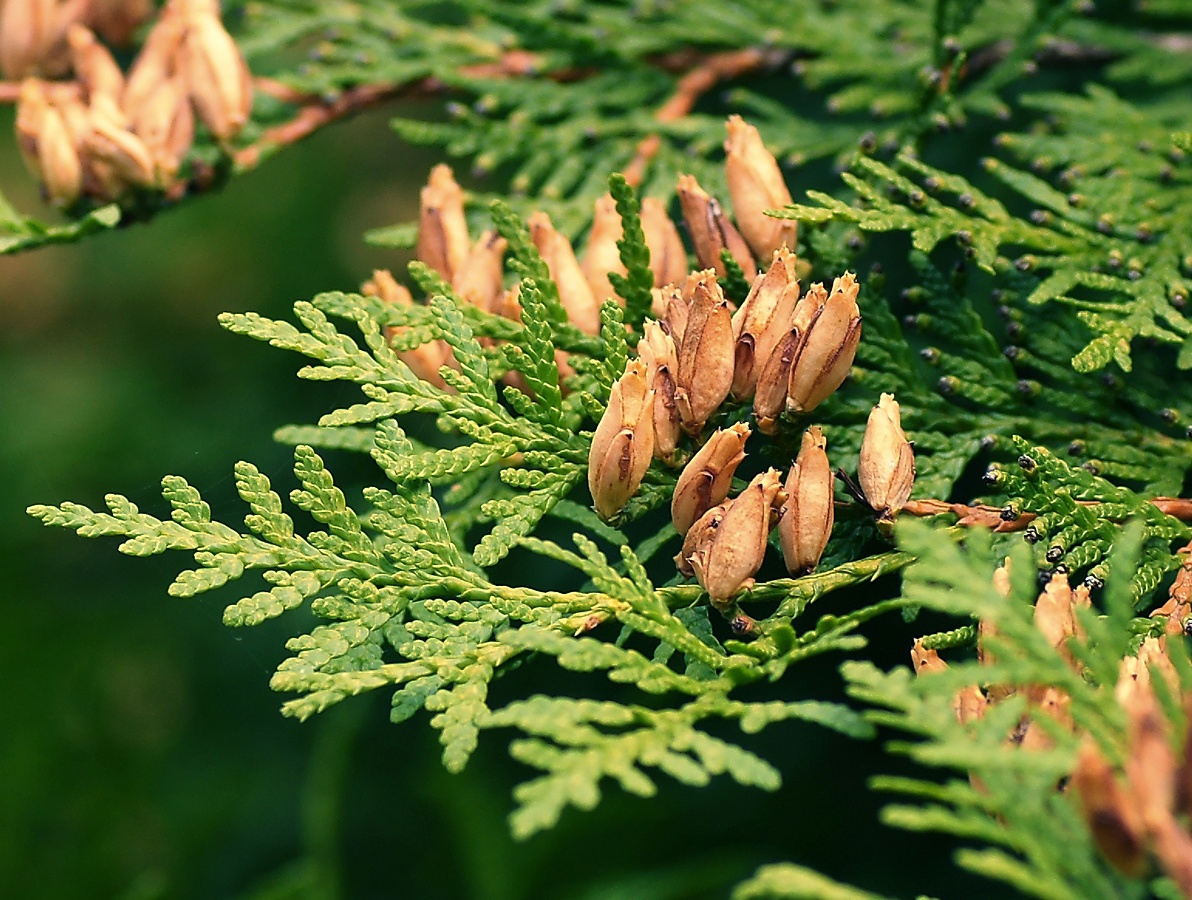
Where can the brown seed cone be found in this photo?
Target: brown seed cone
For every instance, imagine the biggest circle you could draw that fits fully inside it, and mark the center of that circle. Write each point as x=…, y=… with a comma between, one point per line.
x=668, y=256
x=769, y=398
x=1110, y=810
x=116, y=20
x=827, y=348
x=699, y=535
x=166, y=125
x=887, y=467
x=443, y=242
x=33, y=36
x=657, y=350
x=623, y=444
x=705, y=372
x=755, y=184
x=808, y=514
x=602, y=255
x=763, y=320
x=583, y=311
x=726, y=562
x=93, y=64
x=215, y=72
x=425, y=360
x=158, y=60
x=480, y=279
x=706, y=479
x=711, y=231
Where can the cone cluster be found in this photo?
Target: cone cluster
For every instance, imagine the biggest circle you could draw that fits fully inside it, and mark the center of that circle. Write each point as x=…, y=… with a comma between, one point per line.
x=1134, y=813
x=106, y=132
x=33, y=33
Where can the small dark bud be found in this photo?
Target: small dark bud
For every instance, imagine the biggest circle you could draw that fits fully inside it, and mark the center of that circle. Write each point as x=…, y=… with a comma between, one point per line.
x=1009, y=513
x=1055, y=553
x=994, y=474
x=1028, y=387
x=1031, y=535
x=1109, y=380
x=868, y=142
x=1013, y=330
x=1076, y=448
x=1040, y=164
x=1143, y=235
x=948, y=384
x=1093, y=467
x=1011, y=352
x=1025, y=263
x=1145, y=147
x=1179, y=300
x=964, y=238
x=1030, y=67
x=1092, y=582
x=916, y=198
x=1105, y=223
x=930, y=355
x=1076, y=200
x=1027, y=463
x=743, y=625
x=1166, y=174
x=1115, y=259
x=966, y=201
x=931, y=183
x=1169, y=415
x=1188, y=626
x=854, y=242
x=952, y=46
x=988, y=442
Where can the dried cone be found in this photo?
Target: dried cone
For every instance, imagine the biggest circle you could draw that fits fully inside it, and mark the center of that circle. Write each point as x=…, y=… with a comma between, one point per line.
x=602, y=255
x=728, y=558
x=763, y=321
x=214, y=71
x=711, y=231
x=113, y=144
x=116, y=20
x=706, y=479
x=1112, y=816
x=58, y=160
x=755, y=184
x=968, y=703
x=425, y=360
x=769, y=398
x=657, y=351
x=480, y=280
x=700, y=535
x=705, y=373
x=165, y=123
x=443, y=242
x=668, y=256
x=676, y=310
x=623, y=444
x=806, y=518
x=827, y=348
x=1055, y=612
x=93, y=64
x=887, y=466
x=583, y=311
x=33, y=36
x=158, y=60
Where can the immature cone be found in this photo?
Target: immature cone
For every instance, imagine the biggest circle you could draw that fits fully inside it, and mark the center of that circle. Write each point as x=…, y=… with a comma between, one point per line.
x=443, y=242
x=806, y=518
x=33, y=36
x=657, y=351
x=728, y=558
x=706, y=479
x=583, y=310
x=623, y=444
x=827, y=348
x=755, y=184
x=705, y=373
x=217, y=76
x=1055, y=612
x=668, y=256
x=1112, y=815
x=480, y=280
x=425, y=360
x=711, y=231
x=887, y=466
x=968, y=703
x=602, y=255
x=763, y=320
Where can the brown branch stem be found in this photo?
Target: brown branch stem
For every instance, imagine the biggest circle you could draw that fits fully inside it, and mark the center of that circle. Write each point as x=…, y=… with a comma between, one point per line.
x=991, y=516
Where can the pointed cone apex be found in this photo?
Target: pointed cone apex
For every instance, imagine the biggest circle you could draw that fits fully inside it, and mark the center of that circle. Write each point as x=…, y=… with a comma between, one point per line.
x=442, y=229
x=827, y=349
x=668, y=256
x=215, y=73
x=93, y=64
x=705, y=373
x=808, y=513
x=887, y=467
x=583, y=311
x=763, y=320
x=705, y=480
x=711, y=231
x=726, y=562
x=623, y=444
x=755, y=184
x=602, y=255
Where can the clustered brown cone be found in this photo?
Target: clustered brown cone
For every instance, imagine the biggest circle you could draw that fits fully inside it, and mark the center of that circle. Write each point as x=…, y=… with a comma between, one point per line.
x=1134, y=812
x=33, y=33
x=104, y=133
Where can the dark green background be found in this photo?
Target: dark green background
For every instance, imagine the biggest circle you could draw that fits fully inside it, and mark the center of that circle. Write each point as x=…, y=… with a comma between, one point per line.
x=141, y=752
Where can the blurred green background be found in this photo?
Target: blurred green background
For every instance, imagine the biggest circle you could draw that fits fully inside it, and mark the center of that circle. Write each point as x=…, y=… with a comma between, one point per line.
x=142, y=754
